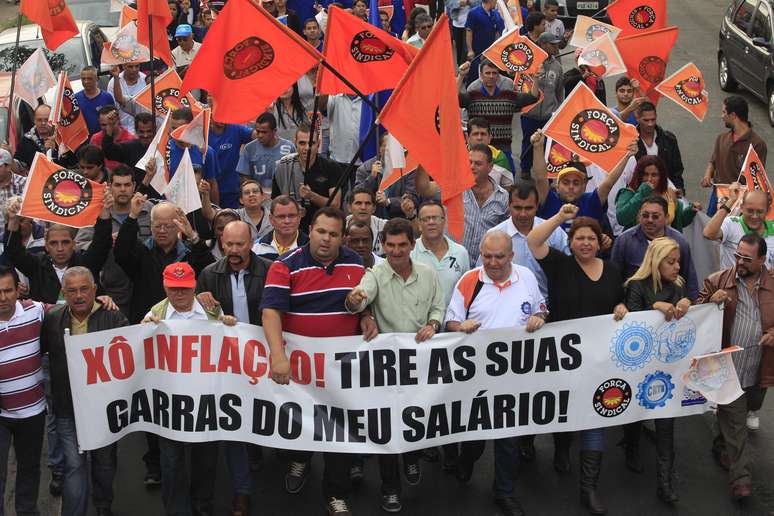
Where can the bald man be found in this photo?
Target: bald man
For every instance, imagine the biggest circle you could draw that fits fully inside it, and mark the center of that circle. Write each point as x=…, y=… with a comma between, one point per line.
x=729, y=229
x=477, y=302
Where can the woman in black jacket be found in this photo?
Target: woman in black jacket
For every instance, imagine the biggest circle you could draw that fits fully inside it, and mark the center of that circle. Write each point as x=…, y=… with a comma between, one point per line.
x=657, y=285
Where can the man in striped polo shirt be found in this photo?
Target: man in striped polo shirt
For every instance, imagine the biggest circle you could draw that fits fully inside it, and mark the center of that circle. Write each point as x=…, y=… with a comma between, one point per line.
x=22, y=398
x=304, y=294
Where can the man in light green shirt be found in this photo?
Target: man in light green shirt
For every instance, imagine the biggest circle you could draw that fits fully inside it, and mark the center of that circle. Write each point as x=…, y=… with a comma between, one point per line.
x=405, y=297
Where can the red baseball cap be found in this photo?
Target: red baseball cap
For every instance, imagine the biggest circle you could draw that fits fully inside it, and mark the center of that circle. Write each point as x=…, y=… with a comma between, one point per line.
x=179, y=275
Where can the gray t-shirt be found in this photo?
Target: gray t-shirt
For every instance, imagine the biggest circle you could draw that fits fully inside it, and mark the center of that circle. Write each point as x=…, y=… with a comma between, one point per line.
x=258, y=162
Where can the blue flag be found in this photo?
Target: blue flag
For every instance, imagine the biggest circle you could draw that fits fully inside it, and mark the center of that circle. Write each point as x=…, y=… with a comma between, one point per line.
x=367, y=115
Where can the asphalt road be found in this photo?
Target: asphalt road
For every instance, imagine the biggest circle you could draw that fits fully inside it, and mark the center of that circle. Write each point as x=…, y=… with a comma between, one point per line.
x=703, y=485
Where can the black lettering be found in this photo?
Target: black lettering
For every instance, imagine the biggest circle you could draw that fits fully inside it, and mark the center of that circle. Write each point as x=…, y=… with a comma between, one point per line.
x=355, y=426
x=379, y=425
x=289, y=426
x=182, y=412
x=117, y=417
x=160, y=408
x=547, y=358
x=345, y=367
x=231, y=419
x=384, y=367
x=437, y=421
x=263, y=417
x=407, y=366
x=326, y=424
x=439, y=369
x=523, y=409
x=522, y=356
x=468, y=370
x=574, y=356
x=480, y=418
x=456, y=417
x=543, y=406
x=140, y=408
x=417, y=429
x=365, y=369
x=499, y=364
x=206, y=418
x=504, y=408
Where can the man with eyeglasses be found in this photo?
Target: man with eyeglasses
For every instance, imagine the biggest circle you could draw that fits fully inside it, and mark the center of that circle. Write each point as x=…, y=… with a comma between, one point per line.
x=424, y=24
x=729, y=229
x=285, y=217
x=747, y=290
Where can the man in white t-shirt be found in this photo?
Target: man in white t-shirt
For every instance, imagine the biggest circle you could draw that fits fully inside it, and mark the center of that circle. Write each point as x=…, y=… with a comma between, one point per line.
x=131, y=81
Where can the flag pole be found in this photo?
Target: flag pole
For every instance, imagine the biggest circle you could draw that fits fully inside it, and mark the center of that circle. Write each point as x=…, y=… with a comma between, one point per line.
x=351, y=167
x=313, y=130
x=13, y=77
x=152, y=72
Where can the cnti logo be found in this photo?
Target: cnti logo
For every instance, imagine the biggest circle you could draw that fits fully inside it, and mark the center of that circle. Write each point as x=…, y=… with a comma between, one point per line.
x=366, y=47
x=642, y=17
x=594, y=130
x=249, y=56
x=517, y=57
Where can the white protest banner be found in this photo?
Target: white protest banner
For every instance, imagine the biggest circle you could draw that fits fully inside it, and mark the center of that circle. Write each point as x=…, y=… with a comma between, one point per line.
x=200, y=381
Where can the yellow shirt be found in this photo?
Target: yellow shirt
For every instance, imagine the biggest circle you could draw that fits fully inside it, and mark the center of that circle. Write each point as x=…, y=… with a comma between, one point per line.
x=81, y=327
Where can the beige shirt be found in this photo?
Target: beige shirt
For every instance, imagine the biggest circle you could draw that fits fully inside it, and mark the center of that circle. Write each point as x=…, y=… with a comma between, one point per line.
x=183, y=58
x=81, y=327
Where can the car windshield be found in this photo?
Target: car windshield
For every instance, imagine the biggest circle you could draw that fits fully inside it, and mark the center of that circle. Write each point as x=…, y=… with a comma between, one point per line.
x=72, y=51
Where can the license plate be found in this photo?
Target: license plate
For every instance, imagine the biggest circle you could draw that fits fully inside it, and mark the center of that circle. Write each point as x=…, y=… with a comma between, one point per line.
x=587, y=6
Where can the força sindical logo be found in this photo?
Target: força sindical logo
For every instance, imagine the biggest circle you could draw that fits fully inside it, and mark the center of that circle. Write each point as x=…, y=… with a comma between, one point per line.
x=66, y=193
x=70, y=108
x=642, y=17
x=652, y=69
x=517, y=57
x=690, y=90
x=612, y=397
x=594, y=130
x=125, y=48
x=169, y=99
x=558, y=157
x=249, y=56
x=596, y=30
x=367, y=48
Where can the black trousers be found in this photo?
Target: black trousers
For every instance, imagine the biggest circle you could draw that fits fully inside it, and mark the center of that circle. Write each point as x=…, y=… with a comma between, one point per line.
x=335, y=480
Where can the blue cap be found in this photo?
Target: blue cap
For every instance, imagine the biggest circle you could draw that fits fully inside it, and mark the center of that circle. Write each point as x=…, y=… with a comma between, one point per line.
x=183, y=30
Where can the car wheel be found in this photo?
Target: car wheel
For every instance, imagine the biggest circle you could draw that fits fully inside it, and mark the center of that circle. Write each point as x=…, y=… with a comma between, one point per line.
x=771, y=106
x=727, y=82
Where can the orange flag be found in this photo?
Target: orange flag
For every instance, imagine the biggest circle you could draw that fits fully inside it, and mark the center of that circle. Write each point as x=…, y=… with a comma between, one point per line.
x=515, y=53
x=127, y=15
x=245, y=72
x=557, y=156
x=157, y=13
x=589, y=129
x=59, y=195
x=55, y=19
x=424, y=115
x=646, y=56
x=686, y=87
x=372, y=59
x=168, y=95
x=71, y=129
x=588, y=29
x=602, y=57
x=125, y=48
x=522, y=83
x=753, y=175
x=195, y=133
x=638, y=16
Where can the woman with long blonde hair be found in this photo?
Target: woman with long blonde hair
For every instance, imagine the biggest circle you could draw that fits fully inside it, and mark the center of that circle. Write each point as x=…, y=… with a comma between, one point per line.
x=657, y=285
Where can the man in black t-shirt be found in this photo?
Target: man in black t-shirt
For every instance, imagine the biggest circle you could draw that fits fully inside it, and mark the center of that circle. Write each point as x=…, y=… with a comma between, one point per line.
x=310, y=185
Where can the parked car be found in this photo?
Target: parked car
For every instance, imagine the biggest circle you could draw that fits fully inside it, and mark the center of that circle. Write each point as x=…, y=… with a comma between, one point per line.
x=746, y=50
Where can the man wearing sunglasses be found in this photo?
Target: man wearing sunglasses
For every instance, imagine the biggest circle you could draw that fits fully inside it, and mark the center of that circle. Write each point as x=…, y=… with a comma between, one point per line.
x=747, y=290
x=729, y=229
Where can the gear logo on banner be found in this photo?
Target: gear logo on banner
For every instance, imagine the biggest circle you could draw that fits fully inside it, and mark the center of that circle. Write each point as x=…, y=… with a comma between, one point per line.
x=66, y=193
x=632, y=346
x=642, y=17
x=612, y=397
x=247, y=57
x=593, y=130
x=675, y=340
x=655, y=390
x=366, y=47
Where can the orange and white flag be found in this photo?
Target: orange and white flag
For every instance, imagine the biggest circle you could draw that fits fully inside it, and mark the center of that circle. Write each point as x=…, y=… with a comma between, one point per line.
x=587, y=30
x=523, y=83
x=125, y=48
x=196, y=132
x=514, y=53
x=394, y=163
x=168, y=97
x=34, y=78
x=61, y=196
x=127, y=15
x=602, y=57
x=158, y=150
x=589, y=129
x=753, y=176
x=70, y=126
x=686, y=88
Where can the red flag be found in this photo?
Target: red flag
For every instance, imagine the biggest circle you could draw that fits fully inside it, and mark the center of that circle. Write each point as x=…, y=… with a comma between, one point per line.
x=515, y=53
x=157, y=13
x=61, y=196
x=686, y=87
x=55, y=19
x=589, y=129
x=71, y=129
x=753, y=175
x=243, y=72
x=638, y=16
x=646, y=56
x=372, y=59
x=424, y=115
x=168, y=95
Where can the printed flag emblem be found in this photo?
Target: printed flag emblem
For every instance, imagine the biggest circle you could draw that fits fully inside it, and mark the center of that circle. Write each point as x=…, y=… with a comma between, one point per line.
x=247, y=57
x=366, y=47
x=594, y=130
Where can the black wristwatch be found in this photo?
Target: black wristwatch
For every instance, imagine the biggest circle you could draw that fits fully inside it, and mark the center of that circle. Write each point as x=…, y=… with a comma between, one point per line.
x=724, y=207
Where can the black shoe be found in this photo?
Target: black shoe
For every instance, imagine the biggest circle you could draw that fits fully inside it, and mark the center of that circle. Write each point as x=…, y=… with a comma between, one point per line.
x=449, y=463
x=391, y=503
x=412, y=472
x=55, y=486
x=356, y=473
x=152, y=478
x=295, y=478
x=590, y=465
x=633, y=460
x=527, y=448
x=104, y=512
x=464, y=471
x=665, y=480
x=431, y=454
x=509, y=506
x=562, y=460
x=337, y=507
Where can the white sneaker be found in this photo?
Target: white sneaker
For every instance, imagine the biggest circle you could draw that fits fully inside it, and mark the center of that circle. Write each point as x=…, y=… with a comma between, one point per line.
x=753, y=422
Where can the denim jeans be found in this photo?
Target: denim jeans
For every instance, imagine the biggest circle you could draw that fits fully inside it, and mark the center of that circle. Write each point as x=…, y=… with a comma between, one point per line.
x=55, y=454
x=75, y=488
x=506, y=463
x=27, y=437
x=239, y=467
x=592, y=439
x=179, y=491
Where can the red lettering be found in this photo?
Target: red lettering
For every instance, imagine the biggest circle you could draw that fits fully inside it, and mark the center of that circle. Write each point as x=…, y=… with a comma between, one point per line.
x=121, y=360
x=300, y=367
x=229, y=356
x=206, y=362
x=95, y=365
x=188, y=353
x=252, y=367
x=167, y=352
x=150, y=357
x=319, y=369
